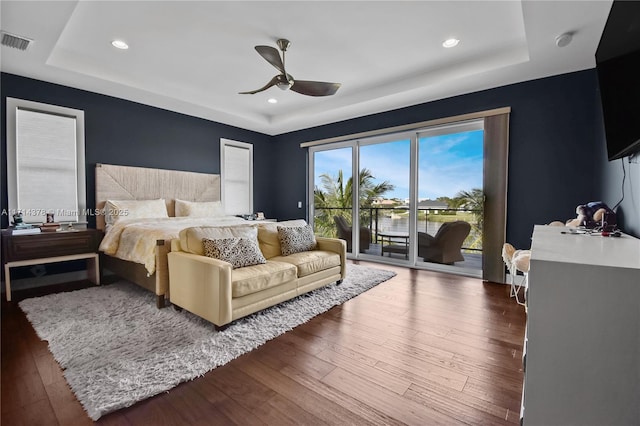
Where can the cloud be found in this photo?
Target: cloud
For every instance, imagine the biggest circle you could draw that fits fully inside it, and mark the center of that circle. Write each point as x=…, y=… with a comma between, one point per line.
x=331, y=161
x=388, y=163
x=447, y=179
x=447, y=164
x=444, y=143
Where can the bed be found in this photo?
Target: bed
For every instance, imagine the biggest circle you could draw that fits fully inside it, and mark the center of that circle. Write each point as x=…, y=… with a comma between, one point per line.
x=115, y=182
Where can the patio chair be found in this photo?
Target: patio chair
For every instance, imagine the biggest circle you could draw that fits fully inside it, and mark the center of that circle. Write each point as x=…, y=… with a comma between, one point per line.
x=344, y=232
x=445, y=246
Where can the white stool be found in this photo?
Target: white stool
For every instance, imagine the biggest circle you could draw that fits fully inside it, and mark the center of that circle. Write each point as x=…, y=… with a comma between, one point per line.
x=517, y=260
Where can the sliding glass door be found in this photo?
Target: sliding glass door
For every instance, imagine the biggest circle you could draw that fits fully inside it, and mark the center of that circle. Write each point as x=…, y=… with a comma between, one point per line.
x=384, y=195
x=418, y=200
x=332, y=190
x=450, y=196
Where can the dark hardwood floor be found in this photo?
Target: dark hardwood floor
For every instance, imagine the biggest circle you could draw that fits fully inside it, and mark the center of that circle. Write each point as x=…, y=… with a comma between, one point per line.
x=422, y=348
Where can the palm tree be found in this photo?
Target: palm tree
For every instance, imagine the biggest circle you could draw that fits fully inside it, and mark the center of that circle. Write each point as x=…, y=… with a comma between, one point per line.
x=338, y=194
x=473, y=200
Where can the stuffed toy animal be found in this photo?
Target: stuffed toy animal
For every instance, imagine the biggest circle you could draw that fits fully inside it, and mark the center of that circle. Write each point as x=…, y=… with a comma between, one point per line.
x=595, y=214
x=578, y=221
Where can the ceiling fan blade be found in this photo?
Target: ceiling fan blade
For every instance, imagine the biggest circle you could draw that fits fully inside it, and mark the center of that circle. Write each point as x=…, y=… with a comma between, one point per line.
x=315, y=88
x=272, y=56
x=273, y=82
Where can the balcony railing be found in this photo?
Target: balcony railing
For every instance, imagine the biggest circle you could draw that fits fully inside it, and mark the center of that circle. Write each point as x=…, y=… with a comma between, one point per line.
x=384, y=219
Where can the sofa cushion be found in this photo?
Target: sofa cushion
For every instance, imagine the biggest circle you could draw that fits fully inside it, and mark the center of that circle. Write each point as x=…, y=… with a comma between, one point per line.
x=255, y=278
x=268, y=236
x=239, y=252
x=296, y=239
x=310, y=262
x=191, y=238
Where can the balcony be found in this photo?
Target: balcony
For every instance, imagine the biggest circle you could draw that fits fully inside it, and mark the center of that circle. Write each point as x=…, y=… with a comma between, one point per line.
x=390, y=227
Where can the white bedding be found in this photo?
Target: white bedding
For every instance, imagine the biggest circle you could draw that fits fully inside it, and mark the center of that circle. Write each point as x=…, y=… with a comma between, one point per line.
x=135, y=239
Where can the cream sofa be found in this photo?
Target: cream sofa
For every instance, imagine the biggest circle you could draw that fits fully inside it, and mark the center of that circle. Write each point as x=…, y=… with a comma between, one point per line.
x=213, y=290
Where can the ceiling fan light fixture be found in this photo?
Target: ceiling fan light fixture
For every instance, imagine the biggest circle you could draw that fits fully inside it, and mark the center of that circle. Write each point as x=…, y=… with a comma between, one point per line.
x=284, y=82
x=450, y=42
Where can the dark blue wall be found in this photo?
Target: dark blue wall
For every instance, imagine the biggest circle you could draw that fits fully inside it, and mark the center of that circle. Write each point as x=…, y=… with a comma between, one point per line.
x=555, y=132
x=555, y=158
x=127, y=133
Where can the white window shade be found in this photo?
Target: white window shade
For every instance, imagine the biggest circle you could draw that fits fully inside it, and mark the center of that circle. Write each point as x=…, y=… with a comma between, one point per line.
x=237, y=176
x=45, y=161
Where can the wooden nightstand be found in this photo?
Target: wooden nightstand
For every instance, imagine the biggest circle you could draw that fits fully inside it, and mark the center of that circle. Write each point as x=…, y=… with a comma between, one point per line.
x=50, y=247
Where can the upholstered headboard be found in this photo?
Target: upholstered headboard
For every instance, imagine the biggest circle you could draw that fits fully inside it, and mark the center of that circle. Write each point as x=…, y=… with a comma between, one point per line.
x=140, y=183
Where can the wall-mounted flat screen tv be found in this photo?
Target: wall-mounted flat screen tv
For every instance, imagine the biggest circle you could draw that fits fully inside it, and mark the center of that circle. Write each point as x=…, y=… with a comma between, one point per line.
x=618, y=67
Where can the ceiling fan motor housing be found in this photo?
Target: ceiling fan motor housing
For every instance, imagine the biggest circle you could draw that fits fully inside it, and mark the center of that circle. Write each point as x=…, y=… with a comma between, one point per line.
x=283, y=82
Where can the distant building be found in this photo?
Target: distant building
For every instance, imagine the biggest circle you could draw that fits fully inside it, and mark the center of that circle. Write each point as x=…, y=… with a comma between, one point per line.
x=384, y=203
x=432, y=205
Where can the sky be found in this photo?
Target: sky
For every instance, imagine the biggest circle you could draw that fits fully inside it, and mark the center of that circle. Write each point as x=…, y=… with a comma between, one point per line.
x=447, y=164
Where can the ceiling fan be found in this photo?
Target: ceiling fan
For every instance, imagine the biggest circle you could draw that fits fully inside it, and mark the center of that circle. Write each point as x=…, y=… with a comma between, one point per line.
x=285, y=80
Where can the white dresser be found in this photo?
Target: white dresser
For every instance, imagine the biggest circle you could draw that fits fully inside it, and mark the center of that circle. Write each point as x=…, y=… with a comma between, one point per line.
x=582, y=345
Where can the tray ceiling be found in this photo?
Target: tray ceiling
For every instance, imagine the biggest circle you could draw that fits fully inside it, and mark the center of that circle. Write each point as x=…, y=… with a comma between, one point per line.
x=194, y=57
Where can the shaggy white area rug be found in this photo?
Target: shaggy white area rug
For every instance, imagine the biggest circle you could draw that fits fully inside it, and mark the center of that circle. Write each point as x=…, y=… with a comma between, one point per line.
x=116, y=348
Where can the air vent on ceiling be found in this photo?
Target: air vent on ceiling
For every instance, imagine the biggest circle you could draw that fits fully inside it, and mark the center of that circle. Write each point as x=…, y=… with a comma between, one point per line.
x=12, y=40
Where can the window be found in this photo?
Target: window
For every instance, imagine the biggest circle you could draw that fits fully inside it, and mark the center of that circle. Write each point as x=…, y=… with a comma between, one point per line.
x=45, y=161
x=400, y=213
x=236, y=169
x=409, y=184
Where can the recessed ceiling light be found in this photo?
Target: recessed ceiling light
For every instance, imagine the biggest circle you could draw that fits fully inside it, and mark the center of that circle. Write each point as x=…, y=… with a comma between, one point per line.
x=119, y=44
x=450, y=42
x=272, y=100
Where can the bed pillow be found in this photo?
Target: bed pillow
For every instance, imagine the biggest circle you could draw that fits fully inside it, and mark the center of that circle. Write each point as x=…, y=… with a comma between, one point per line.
x=199, y=208
x=296, y=239
x=191, y=238
x=238, y=251
x=134, y=209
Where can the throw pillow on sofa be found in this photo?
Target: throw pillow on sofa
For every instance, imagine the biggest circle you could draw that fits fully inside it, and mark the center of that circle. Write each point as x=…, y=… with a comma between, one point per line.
x=239, y=252
x=268, y=236
x=296, y=239
x=191, y=238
